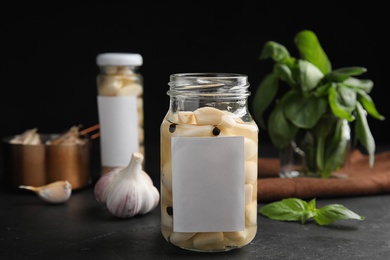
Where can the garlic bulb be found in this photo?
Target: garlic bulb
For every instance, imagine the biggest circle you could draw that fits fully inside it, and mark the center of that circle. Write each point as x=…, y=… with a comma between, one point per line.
x=55, y=192
x=127, y=191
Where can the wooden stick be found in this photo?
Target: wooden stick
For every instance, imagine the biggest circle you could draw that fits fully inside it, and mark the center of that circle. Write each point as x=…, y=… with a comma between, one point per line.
x=89, y=129
x=94, y=136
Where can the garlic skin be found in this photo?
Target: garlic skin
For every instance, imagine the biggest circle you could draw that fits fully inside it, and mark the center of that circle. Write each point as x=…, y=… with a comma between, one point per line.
x=55, y=192
x=127, y=191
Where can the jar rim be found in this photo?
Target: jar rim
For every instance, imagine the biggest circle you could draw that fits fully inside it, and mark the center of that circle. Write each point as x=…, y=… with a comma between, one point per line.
x=214, y=75
x=209, y=84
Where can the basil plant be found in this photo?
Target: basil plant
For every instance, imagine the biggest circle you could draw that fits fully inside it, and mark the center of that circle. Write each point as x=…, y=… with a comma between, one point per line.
x=315, y=93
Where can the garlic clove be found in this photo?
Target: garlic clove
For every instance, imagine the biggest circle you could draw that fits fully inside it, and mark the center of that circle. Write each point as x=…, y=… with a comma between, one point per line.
x=186, y=117
x=127, y=191
x=251, y=214
x=55, y=192
x=204, y=239
x=208, y=116
x=250, y=148
x=251, y=171
x=132, y=89
x=238, y=235
x=72, y=136
x=150, y=197
x=227, y=121
x=248, y=193
x=29, y=136
x=102, y=185
x=178, y=237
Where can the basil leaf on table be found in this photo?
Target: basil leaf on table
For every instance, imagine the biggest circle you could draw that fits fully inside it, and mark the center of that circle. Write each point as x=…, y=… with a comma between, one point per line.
x=294, y=209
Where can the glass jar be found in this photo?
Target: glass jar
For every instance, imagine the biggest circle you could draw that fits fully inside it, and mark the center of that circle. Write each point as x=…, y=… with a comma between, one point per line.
x=120, y=108
x=209, y=160
x=319, y=152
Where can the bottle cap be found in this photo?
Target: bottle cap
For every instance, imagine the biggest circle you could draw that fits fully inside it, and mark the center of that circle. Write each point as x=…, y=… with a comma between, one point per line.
x=119, y=59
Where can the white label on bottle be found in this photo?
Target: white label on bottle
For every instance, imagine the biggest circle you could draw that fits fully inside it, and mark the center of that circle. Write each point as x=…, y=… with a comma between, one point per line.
x=118, y=119
x=208, y=184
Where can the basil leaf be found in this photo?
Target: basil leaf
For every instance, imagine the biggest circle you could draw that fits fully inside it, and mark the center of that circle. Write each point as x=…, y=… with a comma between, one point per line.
x=311, y=206
x=280, y=129
x=263, y=97
x=323, y=90
x=346, y=97
x=310, y=75
x=369, y=105
x=364, y=134
x=304, y=112
x=335, y=150
x=343, y=74
x=366, y=85
x=275, y=51
x=291, y=209
x=350, y=71
x=284, y=73
x=311, y=50
x=337, y=108
x=331, y=213
x=332, y=139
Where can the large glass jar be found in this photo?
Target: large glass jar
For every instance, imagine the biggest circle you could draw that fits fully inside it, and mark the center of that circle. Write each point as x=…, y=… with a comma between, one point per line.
x=120, y=107
x=209, y=160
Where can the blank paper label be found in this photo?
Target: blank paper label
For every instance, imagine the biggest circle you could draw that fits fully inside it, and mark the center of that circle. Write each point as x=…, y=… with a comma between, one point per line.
x=118, y=119
x=208, y=184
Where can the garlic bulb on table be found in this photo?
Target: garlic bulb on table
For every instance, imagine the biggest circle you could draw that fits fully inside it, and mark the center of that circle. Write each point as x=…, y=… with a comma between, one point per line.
x=127, y=191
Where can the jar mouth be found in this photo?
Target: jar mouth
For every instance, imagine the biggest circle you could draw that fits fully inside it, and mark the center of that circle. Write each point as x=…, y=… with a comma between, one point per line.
x=209, y=84
x=208, y=75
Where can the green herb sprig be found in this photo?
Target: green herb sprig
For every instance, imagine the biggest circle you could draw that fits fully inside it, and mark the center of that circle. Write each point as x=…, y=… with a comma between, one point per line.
x=294, y=209
x=314, y=90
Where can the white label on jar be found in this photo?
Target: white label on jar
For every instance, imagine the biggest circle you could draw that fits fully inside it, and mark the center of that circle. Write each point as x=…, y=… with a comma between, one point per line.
x=118, y=119
x=208, y=184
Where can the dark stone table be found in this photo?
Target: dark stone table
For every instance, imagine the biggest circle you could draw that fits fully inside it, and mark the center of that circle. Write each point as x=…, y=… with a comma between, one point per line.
x=82, y=229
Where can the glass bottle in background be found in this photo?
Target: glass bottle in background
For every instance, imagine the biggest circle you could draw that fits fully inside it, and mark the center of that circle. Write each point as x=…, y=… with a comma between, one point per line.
x=120, y=108
x=209, y=160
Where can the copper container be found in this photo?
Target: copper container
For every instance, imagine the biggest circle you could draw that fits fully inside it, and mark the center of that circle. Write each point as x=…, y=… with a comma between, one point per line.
x=37, y=165
x=25, y=164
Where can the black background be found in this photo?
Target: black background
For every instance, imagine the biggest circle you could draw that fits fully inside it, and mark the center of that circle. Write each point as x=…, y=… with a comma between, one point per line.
x=48, y=68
